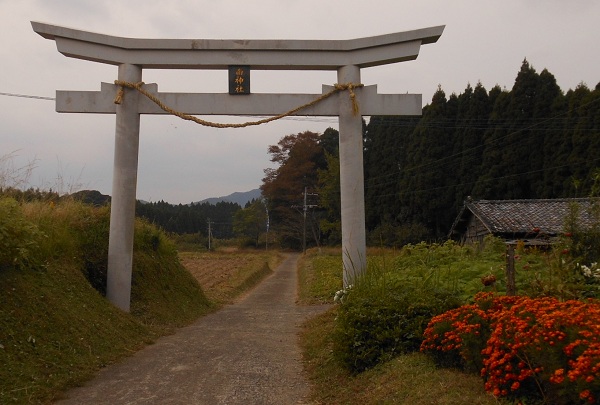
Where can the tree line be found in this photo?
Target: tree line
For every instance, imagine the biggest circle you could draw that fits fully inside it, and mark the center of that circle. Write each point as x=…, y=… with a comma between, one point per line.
x=533, y=141
x=191, y=218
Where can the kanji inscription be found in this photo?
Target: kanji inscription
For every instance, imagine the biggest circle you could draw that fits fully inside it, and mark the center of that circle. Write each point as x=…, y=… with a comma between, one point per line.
x=239, y=80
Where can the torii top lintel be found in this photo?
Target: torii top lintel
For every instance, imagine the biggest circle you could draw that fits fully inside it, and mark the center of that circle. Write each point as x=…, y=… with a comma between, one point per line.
x=219, y=54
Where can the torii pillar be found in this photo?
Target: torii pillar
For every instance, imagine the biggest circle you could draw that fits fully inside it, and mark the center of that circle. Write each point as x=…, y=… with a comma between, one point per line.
x=347, y=57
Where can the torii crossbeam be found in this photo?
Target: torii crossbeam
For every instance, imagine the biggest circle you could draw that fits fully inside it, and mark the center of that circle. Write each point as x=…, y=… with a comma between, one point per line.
x=132, y=55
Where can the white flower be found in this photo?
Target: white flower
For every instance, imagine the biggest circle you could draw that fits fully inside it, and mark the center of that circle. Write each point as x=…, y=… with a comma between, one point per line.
x=586, y=271
x=341, y=294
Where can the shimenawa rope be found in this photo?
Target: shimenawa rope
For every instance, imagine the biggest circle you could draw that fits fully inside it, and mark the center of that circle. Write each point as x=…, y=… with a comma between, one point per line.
x=138, y=86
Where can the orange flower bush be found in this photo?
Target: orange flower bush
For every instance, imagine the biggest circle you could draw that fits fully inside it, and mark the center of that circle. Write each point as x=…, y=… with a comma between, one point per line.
x=457, y=337
x=525, y=347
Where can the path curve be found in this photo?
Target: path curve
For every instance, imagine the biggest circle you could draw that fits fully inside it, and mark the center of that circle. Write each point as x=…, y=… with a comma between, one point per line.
x=246, y=353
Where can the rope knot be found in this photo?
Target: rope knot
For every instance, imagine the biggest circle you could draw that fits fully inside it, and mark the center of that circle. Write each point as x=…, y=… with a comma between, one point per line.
x=350, y=87
x=121, y=92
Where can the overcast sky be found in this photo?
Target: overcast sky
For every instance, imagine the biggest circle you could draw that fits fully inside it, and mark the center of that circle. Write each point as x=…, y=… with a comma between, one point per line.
x=180, y=161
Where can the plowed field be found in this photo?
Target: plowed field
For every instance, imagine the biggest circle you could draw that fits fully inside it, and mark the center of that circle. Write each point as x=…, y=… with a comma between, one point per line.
x=225, y=275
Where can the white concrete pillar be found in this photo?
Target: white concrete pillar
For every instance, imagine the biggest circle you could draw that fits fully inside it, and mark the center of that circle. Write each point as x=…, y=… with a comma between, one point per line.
x=354, y=247
x=122, y=211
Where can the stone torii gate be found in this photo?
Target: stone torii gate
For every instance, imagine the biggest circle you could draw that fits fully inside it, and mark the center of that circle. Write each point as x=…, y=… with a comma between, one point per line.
x=347, y=57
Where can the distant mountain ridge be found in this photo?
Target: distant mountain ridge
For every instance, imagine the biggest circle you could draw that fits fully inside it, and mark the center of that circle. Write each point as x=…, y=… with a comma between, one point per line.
x=94, y=197
x=240, y=198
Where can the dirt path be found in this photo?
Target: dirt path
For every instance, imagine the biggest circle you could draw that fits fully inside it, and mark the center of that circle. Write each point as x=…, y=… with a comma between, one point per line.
x=246, y=353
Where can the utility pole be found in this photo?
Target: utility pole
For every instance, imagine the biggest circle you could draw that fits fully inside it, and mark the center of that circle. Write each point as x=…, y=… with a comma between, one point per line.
x=305, y=208
x=304, y=224
x=511, y=288
x=267, y=234
x=209, y=232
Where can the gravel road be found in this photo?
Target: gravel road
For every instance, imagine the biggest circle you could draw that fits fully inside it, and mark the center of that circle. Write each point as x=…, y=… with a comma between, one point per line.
x=246, y=353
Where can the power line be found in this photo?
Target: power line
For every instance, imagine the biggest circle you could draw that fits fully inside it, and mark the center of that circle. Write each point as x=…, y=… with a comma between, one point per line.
x=27, y=96
x=422, y=190
x=473, y=150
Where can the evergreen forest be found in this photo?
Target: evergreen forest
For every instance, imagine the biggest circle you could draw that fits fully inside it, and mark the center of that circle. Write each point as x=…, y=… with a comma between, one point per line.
x=191, y=218
x=531, y=142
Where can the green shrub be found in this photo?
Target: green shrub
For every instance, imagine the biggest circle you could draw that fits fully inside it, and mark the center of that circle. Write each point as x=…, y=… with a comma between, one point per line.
x=576, y=270
x=151, y=239
x=246, y=243
x=389, y=235
x=93, y=242
x=449, y=266
x=80, y=231
x=378, y=320
x=190, y=242
x=19, y=238
x=583, y=243
x=76, y=231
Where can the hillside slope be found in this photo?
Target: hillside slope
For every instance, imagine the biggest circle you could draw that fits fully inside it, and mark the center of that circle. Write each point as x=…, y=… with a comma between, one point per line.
x=56, y=330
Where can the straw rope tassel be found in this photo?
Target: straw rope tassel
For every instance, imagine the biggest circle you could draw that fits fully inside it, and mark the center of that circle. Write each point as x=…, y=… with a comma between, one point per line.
x=138, y=86
x=119, y=97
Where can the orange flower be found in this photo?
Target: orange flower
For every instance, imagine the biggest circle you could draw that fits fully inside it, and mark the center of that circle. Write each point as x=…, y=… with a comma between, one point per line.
x=520, y=329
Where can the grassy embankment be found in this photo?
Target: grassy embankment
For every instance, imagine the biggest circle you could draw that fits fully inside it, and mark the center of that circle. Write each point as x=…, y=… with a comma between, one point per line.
x=56, y=330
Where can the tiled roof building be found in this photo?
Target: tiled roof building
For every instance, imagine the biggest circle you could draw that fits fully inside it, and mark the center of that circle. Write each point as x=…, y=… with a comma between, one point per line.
x=534, y=221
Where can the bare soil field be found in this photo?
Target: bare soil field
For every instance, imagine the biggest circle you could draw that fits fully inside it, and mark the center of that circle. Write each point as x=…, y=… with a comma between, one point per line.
x=224, y=275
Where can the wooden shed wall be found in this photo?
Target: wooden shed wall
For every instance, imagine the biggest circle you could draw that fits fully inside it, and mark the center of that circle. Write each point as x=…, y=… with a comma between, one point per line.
x=475, y=232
